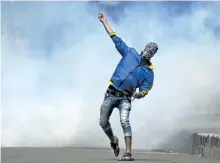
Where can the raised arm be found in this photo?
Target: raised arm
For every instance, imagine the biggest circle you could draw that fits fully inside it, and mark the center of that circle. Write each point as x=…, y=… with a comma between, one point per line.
x=120, y=45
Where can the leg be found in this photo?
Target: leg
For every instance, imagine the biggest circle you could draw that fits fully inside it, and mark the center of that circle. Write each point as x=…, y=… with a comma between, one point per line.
x=124, y=108
x=105, y=113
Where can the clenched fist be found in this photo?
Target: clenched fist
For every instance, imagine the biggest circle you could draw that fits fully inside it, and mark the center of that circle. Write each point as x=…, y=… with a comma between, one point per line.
x=102, y=17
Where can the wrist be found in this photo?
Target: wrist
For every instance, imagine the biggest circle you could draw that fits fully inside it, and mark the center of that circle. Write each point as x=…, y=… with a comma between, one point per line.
x=138, y=95
x=111, y=34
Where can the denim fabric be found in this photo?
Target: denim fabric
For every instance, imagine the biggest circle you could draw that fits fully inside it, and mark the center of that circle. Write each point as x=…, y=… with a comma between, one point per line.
x=124, y=105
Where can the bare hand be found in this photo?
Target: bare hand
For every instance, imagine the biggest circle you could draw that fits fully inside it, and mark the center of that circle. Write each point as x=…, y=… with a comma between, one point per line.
x=102, y=17
x=133, y=97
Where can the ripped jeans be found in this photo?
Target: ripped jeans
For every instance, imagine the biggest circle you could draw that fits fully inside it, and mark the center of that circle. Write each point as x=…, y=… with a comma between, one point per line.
x=124, y=105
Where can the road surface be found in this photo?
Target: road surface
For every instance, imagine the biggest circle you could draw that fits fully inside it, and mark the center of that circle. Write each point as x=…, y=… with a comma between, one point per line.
x=79, y=155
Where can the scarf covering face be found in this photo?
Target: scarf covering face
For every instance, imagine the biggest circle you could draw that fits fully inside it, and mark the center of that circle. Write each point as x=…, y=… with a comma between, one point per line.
x=149, y=51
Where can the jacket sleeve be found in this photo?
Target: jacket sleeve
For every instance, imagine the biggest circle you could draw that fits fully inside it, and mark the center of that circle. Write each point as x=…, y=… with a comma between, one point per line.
x=120, y=45
x=144, y=89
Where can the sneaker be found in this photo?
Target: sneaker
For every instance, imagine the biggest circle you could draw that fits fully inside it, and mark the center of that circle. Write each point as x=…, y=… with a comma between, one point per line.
x=115, y=147
x=126, y=157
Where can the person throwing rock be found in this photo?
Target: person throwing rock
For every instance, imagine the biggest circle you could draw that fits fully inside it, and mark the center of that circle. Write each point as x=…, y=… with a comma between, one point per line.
x=134, y=71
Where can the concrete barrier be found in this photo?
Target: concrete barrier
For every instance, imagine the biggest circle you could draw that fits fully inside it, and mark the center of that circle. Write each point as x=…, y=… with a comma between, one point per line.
x=199, y=135
x=206, y=144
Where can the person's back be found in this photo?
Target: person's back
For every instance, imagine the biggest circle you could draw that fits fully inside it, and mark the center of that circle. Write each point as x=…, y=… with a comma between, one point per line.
x=133, y=71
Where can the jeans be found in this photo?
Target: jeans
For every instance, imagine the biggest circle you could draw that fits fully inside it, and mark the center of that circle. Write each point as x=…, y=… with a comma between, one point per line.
x=124, y=105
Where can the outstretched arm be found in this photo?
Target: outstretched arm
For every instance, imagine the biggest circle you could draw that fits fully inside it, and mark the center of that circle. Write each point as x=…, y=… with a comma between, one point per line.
x=119, y=43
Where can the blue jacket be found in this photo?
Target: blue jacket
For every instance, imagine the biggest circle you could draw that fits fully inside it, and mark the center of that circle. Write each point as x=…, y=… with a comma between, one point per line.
x=129, y=74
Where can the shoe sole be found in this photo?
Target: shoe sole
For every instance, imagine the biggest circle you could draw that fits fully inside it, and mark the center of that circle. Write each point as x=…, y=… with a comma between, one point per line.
x=124, y=159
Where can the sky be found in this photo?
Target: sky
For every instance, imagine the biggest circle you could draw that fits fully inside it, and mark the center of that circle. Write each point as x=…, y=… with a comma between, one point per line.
x=57, y=59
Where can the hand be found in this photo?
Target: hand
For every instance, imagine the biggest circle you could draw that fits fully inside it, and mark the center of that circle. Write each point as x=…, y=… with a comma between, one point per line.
x=136, y=96
x=102, y=17
x=133, y=97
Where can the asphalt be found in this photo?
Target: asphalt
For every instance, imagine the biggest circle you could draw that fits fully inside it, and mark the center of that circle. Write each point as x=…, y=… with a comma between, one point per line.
x=79, y=155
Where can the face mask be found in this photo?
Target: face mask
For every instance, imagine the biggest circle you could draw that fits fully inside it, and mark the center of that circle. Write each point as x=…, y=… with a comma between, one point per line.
x=149, y=50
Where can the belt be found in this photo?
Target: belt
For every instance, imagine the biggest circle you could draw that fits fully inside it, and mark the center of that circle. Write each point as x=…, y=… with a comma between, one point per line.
x=111, y=90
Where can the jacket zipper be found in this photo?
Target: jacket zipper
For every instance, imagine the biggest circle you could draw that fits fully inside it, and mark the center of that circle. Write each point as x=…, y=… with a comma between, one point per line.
x=128, y=76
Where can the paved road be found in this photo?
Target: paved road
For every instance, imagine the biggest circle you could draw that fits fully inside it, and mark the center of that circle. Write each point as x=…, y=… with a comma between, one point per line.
x=77, y=155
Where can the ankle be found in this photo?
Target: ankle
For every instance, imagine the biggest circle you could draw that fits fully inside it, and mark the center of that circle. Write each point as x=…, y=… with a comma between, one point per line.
x=113, y=139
